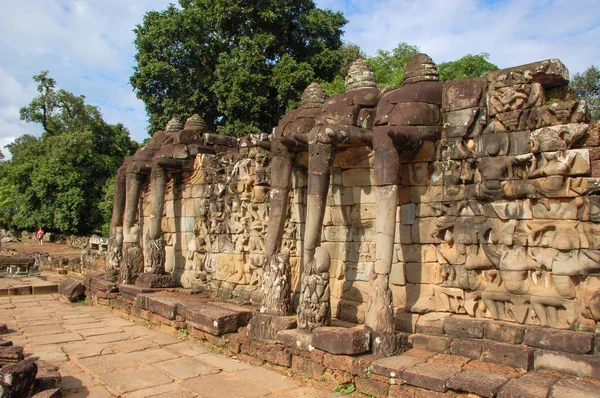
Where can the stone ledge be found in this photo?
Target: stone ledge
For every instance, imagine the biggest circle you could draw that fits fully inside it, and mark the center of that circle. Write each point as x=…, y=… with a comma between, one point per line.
x=577, y=365
x=559, y=340
x=485, y=384
x=463, y=326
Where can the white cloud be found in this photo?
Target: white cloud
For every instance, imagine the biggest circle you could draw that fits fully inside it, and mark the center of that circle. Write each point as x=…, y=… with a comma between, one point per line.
x=513, y=32
x=87, y=44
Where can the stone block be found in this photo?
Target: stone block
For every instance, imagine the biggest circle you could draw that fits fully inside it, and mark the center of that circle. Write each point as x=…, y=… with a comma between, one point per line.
x=432, y=323
x=52, y=393
x=72, y=289
x=531, y=385
x=306, y=366
x=415, y=114
x=432, y=376
x=466, y=348
x=516, y=356
x=363, y=211
x=356, y=290
x=371, y=387
x=504, y=332
x=263, y=327
x=296, y=339
x=424, y=273
x=131, y=291
x=342, y=341
x=461, y=94
x=408, y=213
x=398, y=274
x=406, y=321
x=358, y=178
x=574, y=388
x=578, y=365
x=463, y=326
x=358, y=271
x=394, y=366
x=212, y=319
x=163, y=305
x=18, y=379
x=10, y=355
x=559, y=340
x=47, y=376
x=245, y=312
x=352, y=311
x=431, y=343
x=484, y=384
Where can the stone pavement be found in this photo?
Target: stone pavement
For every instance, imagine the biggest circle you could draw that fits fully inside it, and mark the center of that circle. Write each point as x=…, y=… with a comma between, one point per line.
x=100, y=354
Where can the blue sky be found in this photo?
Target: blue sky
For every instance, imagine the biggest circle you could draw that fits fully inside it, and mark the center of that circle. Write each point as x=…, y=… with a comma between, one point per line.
x=87, y=44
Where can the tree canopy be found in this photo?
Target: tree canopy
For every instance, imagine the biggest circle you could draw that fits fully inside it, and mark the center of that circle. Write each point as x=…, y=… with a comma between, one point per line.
x=587, y=86
x=238, y=64
x=388, y=66
x=58, y=180
x=466, y=67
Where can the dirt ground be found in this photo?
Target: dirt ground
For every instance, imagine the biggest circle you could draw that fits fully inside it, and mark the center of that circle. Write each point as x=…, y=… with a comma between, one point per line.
x=54, y=249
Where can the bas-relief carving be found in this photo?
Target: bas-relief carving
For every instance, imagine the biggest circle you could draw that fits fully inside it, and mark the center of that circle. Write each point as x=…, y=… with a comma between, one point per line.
x=505, y=206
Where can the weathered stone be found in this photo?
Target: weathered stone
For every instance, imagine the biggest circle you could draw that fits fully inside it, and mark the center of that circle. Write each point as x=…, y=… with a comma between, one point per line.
x=164, y=306
x=406, y=321
x=212, y=319
x=431, y=343
x=463, y=326
x=265, y=327
x=47, y=376
x=394, y=366
x=466, y=348
x=560, y=340
x=306, y=366
x=574, y=388
x=578, y=365
x=372, y=387
x=131, y=291
x=432, y=323
x=149, y=281
x=296, y=339
x=18, y=379
x=72, y=289
x=342, y=341
x=505, y=332
x=513, y=355
x=52, y=393
x=432, y=376
x=10, y=355
x=484, y=384
x=531, y=385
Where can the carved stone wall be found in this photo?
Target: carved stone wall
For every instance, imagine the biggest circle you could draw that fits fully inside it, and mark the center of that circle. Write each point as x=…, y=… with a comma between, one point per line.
x=215, y=214
x=498, y=218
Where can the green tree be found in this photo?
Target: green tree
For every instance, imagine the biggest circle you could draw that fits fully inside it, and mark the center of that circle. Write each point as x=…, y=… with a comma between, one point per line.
x=587, y=87
x=220, y=59
x=466, y=67
x=57, y=180
x=388, y=66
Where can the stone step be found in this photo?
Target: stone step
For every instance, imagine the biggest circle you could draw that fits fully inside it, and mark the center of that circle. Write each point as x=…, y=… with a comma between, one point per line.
x=212, y=319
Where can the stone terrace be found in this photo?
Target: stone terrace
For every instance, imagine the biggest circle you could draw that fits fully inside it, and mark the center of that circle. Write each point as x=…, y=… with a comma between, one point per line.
x=432, y=366
x=102, y=355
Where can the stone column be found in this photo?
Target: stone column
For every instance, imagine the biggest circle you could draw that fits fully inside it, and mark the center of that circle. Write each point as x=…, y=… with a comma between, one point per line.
x=290, y=136
x=321, y=153
x=116, y=224
x=133, y=261
x=157, y=245
x=392, y=142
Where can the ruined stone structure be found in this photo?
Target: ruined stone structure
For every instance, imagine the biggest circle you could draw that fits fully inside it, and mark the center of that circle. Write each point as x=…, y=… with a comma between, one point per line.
x=475, y=197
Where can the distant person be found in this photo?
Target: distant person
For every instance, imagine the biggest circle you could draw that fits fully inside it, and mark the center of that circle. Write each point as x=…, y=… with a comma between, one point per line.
x=40, y=235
